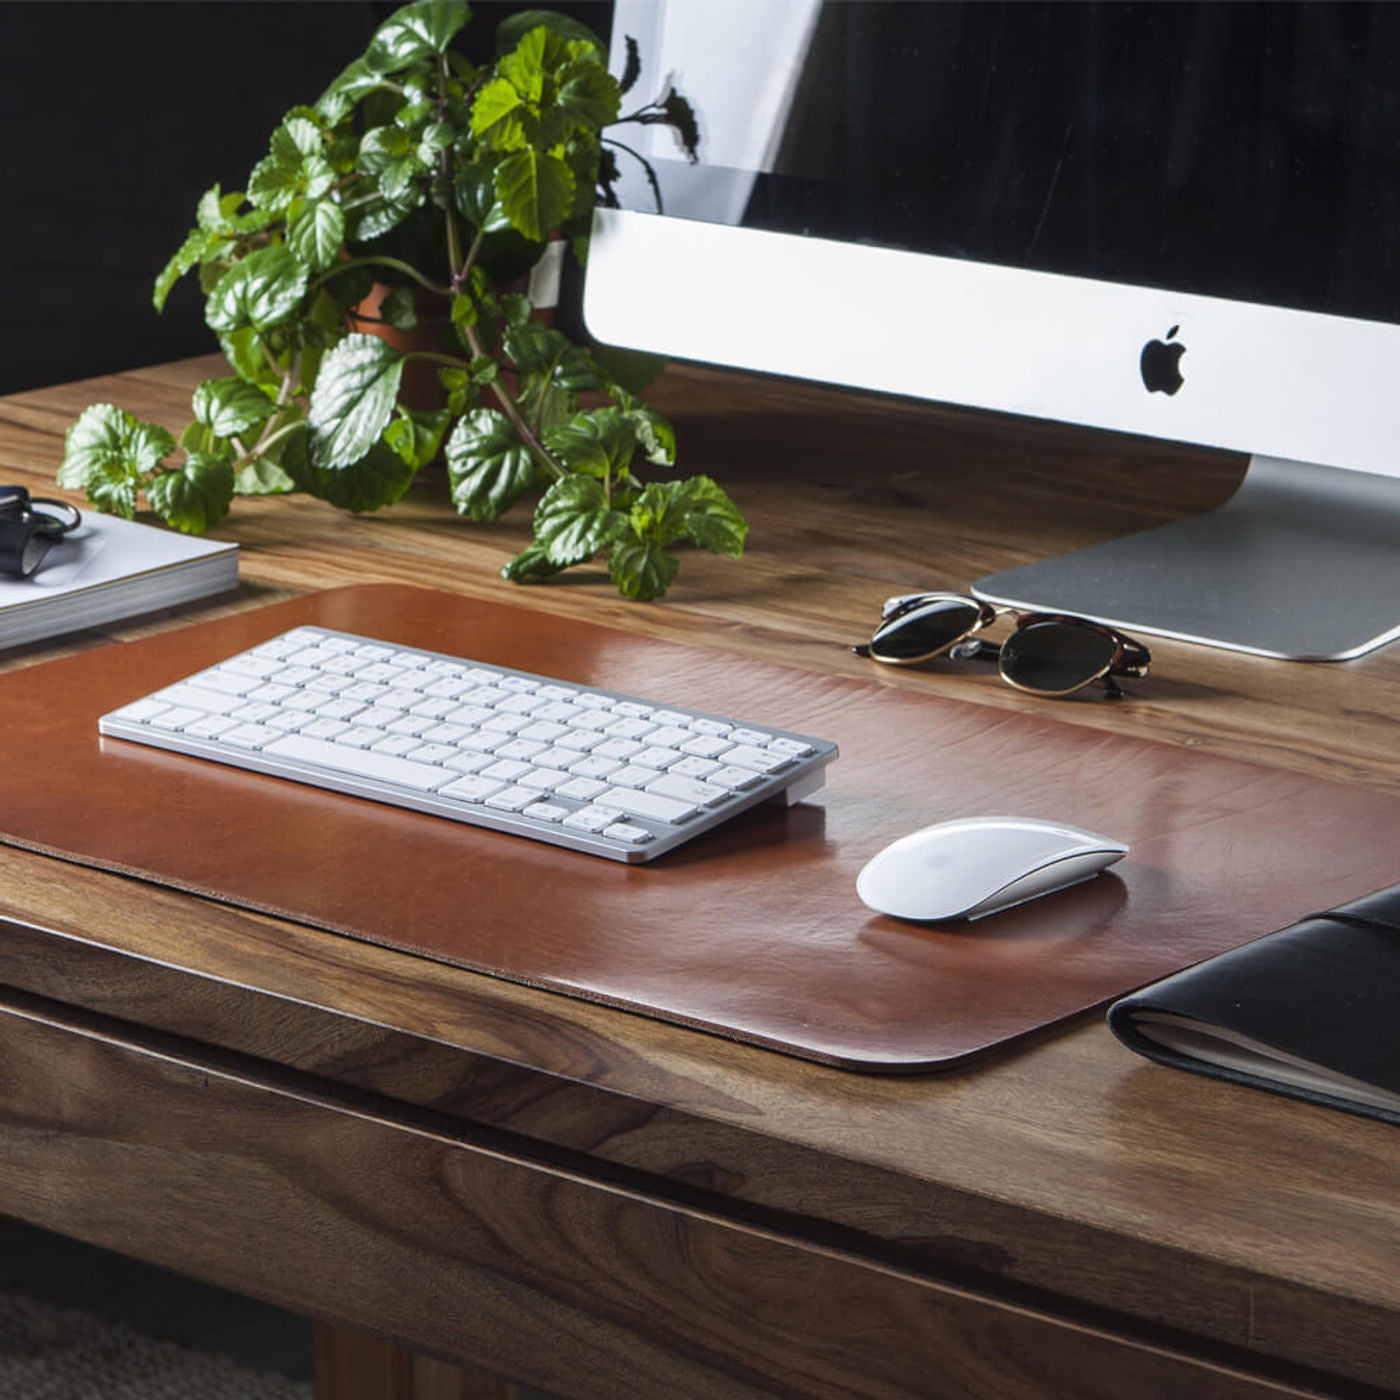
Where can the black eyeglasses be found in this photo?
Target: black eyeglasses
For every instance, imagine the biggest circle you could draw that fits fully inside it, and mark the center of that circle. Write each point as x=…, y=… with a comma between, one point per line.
x=26, y=533
x=1049, y=654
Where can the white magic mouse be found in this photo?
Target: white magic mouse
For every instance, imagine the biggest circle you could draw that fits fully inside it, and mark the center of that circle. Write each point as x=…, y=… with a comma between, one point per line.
x=973, y=866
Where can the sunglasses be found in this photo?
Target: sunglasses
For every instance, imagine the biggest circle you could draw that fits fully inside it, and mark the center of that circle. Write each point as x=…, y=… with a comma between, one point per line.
x=1049, y=654
x=27, y=533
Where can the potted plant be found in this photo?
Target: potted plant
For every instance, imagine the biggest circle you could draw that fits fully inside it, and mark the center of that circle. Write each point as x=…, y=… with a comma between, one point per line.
x=442, y=181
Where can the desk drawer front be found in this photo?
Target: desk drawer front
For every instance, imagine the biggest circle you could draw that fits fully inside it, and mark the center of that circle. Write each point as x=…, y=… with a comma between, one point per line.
x=268, y=1184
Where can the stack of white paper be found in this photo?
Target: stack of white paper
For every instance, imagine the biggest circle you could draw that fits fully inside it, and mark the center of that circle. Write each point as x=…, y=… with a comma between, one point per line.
x=107, y=569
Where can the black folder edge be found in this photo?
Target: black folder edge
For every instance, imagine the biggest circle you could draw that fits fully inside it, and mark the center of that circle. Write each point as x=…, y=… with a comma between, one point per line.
x=1325, y=990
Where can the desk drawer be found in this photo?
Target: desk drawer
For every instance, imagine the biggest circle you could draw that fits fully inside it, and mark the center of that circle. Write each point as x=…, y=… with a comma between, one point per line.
x=366, y=1213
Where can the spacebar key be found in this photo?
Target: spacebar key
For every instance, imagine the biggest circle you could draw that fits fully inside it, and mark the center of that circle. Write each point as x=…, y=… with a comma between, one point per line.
x=361, y=763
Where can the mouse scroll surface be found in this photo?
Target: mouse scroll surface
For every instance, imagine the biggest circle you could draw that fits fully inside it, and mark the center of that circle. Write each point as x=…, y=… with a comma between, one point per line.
x=973, y=866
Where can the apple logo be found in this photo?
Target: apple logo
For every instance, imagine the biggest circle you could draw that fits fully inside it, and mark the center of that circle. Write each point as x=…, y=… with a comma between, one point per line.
x=1160, y=364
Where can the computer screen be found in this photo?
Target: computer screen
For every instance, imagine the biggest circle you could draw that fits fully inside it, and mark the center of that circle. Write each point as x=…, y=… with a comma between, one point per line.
x=1180, y=220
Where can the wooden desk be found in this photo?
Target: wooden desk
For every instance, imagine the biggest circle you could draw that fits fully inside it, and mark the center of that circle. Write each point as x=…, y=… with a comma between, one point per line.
x=609, y=1208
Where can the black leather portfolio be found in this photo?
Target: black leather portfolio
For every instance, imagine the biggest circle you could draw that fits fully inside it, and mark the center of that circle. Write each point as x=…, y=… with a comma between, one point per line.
x=1312, y=1011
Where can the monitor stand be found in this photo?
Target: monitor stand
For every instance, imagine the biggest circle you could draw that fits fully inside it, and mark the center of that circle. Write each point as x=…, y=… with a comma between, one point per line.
x=1302, y=562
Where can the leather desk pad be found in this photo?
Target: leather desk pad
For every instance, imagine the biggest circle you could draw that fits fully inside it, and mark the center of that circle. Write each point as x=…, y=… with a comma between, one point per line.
x=752, y=931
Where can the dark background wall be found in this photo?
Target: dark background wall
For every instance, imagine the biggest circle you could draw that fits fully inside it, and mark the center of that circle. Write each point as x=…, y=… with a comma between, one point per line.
x=115, y=116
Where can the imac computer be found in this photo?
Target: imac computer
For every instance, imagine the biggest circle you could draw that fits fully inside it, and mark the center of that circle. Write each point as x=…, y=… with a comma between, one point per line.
x=1179, y=220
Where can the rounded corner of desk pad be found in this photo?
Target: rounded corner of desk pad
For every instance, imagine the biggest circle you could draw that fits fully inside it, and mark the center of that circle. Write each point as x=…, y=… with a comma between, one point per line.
x=752, y=931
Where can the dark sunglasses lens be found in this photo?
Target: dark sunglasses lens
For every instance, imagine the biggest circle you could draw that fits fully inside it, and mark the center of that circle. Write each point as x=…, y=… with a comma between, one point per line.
x=925, y=629
x=1055, y=657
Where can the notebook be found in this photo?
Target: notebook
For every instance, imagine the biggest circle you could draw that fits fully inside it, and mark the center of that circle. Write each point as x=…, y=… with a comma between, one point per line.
x=1312, y=1011
x=108, y=569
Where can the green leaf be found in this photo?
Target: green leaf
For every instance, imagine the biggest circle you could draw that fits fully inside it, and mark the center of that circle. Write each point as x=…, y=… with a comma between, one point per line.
x=230, y=406
x=262, y=477
x=574, y=520
x=298, y=135
x=354, y=396
x=500, y=114
x=416, y=435
x=379, y=478
x=598, y=442
x=474, y=192
x=195, y=497
x=525, y=66
x=317, y=233
x=534, y=347
x=535, y=190
x=709, y=517
x=656, y=436
x=415, y=32
x=382, y=214
x=399, y=310
x=488, y=466
x=640, y=570
x=533, y=562
x=243, y=350
x=588, y=94
x=263, y=290
x=579, y=373
x=356, y=81
x=108, y=453
x=513, y=28
x=516, y=308
x=197, y=244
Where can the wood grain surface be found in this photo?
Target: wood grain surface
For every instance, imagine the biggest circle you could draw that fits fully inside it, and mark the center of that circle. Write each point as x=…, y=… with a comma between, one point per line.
x=1067, y=1175
x=528, y=1261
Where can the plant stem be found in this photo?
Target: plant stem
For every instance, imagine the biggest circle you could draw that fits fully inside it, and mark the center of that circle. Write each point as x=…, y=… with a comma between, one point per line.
x=535, y=447
x=381, y=260
x=269, y=440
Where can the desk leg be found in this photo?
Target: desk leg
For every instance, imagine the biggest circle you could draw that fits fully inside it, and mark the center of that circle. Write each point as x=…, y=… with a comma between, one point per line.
x=351, y=1366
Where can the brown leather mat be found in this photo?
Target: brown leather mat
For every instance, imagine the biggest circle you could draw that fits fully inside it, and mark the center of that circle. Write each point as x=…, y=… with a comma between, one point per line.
x=753, y=931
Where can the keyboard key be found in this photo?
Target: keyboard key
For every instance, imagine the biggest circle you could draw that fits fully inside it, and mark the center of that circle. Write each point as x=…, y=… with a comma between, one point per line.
x=512, y=799
x=590, y=819
x=794, y=748
x=653, y=756
x=322, y=728
x=761, y=760
x=142, y=710
x=392, y=743
x=706, y=746
x=736, y=779
x=195, y=697
x=689, y=790
x=645, y=804
x=625, y=831
x=711, y=726
x=694, y=767
x=749, y=736
x=580, y=789
x=472, y=787
x=433, y=753
x=178, y=716
x=249, y=736
x=210, y=727
x=632, y=776
x=505, y=770
x=546, y=812
x=594, y=766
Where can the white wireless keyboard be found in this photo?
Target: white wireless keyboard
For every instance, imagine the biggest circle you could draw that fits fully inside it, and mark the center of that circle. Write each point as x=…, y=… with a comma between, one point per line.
x=588, y=769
